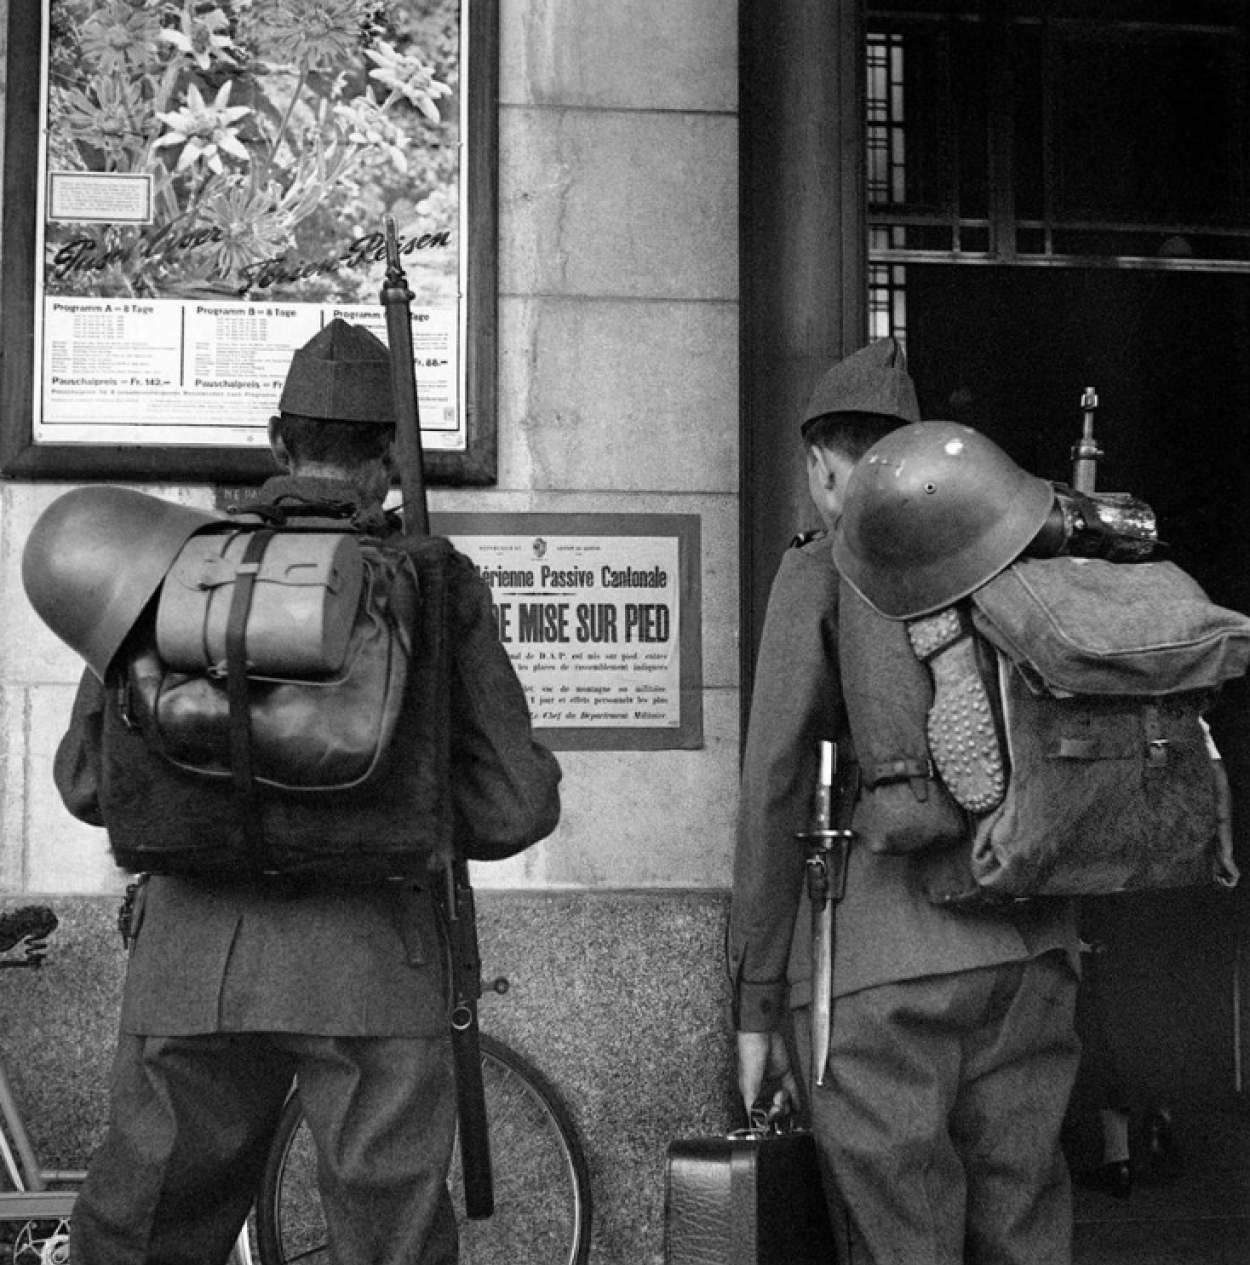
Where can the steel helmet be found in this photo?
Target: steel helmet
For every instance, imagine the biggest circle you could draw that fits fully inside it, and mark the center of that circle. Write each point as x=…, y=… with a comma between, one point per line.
x=933, y=511
x=94, y=559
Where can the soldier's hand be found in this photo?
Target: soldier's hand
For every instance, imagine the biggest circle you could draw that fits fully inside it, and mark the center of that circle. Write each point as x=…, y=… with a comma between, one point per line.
x=764, y=1064
x=1226, y=872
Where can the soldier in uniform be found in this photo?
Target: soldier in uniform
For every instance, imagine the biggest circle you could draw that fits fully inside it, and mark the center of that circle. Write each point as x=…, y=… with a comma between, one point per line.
x=952, y=1051
x=238, y=986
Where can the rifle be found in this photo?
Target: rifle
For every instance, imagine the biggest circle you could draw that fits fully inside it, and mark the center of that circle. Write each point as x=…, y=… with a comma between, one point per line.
x=396, y=299
x=1086, y=523
x=1086, y=453
x=457, y=898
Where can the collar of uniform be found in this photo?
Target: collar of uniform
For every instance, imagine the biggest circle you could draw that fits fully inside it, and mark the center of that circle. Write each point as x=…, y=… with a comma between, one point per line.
x=308, y=488
x=375, y=521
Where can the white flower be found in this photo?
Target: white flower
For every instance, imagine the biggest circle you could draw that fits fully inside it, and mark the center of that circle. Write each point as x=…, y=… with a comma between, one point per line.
x=204, y=131
x=408, y=76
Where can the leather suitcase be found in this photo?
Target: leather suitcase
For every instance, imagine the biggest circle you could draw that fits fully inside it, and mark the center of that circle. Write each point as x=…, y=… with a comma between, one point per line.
x=749, y=1198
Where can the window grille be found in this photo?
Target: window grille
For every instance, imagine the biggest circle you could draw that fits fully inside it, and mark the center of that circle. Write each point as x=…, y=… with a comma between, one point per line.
x=1052, y=133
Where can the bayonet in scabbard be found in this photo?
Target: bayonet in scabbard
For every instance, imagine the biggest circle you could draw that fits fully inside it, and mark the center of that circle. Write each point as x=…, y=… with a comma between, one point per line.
x=828, y=844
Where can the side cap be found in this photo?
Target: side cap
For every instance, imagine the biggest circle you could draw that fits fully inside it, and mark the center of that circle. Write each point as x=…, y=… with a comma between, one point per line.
x=871, y=380
x=342, y=373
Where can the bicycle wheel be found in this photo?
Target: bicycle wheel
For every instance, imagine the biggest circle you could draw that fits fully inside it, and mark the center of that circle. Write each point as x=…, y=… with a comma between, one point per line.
x=542, y=1182
x=35, y=1242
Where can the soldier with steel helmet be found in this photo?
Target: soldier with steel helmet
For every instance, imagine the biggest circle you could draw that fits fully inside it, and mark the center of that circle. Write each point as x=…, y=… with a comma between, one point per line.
x=951, y=1052
x=239, y=984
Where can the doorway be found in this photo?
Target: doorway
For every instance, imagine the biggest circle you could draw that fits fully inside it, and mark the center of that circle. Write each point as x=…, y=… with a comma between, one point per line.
x=1010, y=352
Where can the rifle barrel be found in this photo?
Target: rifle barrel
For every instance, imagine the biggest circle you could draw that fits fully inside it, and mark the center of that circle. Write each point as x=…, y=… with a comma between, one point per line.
x=461, y=918
x=1086, y=454
x=396, y=299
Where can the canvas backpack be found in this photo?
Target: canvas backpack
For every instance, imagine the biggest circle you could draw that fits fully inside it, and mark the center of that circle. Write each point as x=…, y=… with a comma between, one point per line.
x=283, y=706
x=1094, y=775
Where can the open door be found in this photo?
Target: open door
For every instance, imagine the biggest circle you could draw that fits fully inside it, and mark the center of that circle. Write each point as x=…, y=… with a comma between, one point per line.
x=1010, y=351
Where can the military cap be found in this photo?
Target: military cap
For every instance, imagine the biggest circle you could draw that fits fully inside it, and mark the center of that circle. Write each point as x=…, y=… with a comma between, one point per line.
x=343, y=373
x=871, y=380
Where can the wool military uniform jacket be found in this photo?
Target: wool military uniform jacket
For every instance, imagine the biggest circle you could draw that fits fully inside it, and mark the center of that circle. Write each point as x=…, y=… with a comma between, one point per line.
x=321, y=957
x=888, y=930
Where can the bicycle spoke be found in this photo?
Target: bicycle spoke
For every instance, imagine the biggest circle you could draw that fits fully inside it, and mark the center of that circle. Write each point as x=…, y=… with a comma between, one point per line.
x=542, y=1201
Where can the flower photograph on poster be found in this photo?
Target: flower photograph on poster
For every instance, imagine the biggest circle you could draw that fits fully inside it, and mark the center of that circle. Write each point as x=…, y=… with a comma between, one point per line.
x=273, y=137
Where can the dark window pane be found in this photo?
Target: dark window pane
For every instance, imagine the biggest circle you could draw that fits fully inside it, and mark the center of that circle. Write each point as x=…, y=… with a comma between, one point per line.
x=1027, y=51
x=974, y=240
x=969, y=72
x=1144, y=130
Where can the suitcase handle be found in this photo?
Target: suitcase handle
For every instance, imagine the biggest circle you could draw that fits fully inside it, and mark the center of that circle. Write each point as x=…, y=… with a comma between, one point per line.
x=765, y=1123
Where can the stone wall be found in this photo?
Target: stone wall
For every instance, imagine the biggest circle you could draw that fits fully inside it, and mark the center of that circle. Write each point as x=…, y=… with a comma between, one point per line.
x=619, y=999
x=618, y=393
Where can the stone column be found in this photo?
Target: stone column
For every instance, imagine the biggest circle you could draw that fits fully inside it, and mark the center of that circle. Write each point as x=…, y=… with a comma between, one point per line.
x=803, y=257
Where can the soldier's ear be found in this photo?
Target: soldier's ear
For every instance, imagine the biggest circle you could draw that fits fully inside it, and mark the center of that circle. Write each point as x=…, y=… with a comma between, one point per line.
x=819, y=458
x=277, y=445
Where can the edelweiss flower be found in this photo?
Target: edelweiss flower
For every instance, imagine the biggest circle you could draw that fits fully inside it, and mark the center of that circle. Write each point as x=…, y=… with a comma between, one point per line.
x=201, y=38
x=204, y=131
x=409, y=76
x=367, y=124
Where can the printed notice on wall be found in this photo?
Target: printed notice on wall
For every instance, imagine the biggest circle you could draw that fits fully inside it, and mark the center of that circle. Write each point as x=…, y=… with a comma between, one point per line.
x=600, y=616
x=170, y=371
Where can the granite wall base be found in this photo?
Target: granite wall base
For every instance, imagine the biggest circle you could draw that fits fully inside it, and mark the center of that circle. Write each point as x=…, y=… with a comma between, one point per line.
x=619, y=998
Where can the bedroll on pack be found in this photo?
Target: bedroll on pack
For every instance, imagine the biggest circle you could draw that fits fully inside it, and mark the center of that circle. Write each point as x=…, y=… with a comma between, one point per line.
x=302, y=606
x=903, y=805
x=324, y=750
x=1102, y=674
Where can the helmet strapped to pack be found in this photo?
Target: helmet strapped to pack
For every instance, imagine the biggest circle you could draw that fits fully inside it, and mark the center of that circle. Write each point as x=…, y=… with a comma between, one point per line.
x=94, y=559
x=1066, y=693
x=282, y=704
x=343, y=373
x=340, y=774
x=932, y=512
x=871, y=380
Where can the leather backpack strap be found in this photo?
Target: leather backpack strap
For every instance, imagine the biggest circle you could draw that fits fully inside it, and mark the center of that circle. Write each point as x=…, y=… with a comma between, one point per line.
x=237, y=692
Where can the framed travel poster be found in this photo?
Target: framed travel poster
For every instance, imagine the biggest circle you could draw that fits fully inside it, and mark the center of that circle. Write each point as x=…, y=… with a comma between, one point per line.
x=193, y=189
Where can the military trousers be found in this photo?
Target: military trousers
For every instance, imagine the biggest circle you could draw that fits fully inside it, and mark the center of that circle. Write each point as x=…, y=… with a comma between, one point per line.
x=192, y=1119
x=938, y=1123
